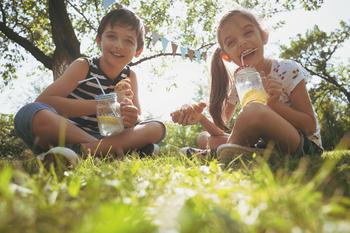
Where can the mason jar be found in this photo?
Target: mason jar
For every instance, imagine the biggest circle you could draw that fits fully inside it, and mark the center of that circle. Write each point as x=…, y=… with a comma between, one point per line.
x=108, y=114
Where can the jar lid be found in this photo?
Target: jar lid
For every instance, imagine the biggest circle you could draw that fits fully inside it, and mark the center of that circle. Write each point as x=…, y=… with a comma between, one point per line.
x=111, y=95
x=243, y=69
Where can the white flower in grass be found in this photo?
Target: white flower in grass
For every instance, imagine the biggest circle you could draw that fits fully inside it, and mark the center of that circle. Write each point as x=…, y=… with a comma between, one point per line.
x=204, y=170
x=127, y=200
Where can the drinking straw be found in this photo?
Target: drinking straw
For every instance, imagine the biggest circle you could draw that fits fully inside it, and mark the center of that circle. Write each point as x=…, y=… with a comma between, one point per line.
x=98, y=82
x=242, y=59
x=245, y=54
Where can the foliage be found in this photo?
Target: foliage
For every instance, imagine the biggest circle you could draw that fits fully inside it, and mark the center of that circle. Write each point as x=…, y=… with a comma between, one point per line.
x=316, y=51
x=171, y=193
x=52, y=30
x=10, y=145
x=180, y=136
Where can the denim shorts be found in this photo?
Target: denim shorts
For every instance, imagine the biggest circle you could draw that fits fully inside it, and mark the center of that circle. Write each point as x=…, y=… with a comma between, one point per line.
x=23, y=125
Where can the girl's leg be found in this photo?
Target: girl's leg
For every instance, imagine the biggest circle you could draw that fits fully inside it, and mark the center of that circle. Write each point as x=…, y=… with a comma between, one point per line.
x=202, y=140
x=257, y=120
x=48, y=127
x=215, y=141
x=129, y=139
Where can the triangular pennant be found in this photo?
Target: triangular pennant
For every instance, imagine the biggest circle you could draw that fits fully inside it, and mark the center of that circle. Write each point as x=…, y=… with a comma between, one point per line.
x=183, y=52
x=165, y=42
x=155, y=37
x=191, y=54
x=107, y=3
x=197, y=54
x=173, y=47
x=204, y=56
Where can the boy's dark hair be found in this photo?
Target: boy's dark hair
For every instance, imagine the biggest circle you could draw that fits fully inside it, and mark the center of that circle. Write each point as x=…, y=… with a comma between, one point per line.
x=123, y=17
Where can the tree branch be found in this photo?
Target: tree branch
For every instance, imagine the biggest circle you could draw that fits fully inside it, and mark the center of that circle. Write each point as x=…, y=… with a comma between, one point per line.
x=154, y=56
x=27, y=45
x=80, y=13
x=325, y=76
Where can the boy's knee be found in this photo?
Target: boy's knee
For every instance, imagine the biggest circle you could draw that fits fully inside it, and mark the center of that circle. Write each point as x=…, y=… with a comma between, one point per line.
x=161, y=130
x=43, y=120
x=156, y=130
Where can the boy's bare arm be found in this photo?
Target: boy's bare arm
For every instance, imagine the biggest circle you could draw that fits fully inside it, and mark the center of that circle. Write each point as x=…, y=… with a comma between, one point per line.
x=134, y=88
x=56, y=94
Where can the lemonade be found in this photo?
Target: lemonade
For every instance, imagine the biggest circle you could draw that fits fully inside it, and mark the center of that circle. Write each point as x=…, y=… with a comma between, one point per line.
x=109, y=125
x=254, y=95
x=108, y=114
x=249, y=86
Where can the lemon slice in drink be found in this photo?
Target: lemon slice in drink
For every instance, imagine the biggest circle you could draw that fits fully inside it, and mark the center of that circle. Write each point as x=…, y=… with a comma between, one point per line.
x=108, y=119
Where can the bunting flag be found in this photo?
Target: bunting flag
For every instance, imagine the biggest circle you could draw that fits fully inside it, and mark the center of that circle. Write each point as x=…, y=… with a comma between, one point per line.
x=204, y=56
x=165, y=42
x=155, y=37
x=173, y=47
x=107, y=3
x=191, y=54
x=183, y=52
x=197, y=54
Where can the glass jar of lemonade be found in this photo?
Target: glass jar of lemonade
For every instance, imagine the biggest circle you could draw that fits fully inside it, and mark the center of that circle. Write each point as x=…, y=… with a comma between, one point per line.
x=249, y=86
x=108, y=114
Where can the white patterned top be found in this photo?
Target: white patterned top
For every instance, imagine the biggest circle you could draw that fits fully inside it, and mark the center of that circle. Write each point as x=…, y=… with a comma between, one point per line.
x=289, y=73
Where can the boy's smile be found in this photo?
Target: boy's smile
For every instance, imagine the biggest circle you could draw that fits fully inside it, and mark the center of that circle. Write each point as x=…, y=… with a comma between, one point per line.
x=118, y=44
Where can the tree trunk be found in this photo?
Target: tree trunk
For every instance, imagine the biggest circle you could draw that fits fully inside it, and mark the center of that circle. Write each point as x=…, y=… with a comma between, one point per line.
x=67, y=46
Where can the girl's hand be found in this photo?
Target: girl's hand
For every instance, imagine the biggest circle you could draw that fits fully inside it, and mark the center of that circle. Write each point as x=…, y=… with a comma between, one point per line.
x=188, y=114
x=123, y=90
x=128, y=112
x=273, y=89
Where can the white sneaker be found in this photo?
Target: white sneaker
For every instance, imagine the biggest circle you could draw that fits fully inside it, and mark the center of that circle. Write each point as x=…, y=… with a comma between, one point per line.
x=59, y=156
x=191, y=151
x=228, y=152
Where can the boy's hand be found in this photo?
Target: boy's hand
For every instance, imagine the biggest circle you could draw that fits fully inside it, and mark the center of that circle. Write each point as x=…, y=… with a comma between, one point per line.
x=273, y=89
x=123, y=90
x=129, y=112
x=188, y=114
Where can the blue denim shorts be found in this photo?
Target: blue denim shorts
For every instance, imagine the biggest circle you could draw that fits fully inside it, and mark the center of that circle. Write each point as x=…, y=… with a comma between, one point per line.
x=23, y=125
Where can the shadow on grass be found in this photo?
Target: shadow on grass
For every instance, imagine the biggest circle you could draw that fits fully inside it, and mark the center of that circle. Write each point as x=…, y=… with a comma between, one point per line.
x=332, y=169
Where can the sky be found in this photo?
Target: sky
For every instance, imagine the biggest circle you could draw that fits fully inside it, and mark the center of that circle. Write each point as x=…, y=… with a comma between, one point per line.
x=178, y=83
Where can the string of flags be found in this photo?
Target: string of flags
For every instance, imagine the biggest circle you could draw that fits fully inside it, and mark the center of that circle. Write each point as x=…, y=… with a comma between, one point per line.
x=196, y=55
x=193, y=54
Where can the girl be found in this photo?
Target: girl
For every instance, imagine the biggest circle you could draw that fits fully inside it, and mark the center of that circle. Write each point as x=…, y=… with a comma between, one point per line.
x=120, y=36
x=287, y=119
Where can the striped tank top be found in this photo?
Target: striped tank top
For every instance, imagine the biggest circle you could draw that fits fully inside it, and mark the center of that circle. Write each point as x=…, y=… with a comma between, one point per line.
x=89, y=89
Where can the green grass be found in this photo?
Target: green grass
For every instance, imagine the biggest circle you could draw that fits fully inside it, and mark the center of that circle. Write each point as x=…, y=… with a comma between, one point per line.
x=171, y=193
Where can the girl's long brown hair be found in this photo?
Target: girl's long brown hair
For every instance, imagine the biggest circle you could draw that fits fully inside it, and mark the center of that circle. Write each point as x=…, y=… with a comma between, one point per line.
x=218, y=90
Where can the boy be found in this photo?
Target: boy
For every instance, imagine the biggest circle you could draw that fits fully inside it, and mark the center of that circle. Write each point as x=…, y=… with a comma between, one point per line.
x=69, y=103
